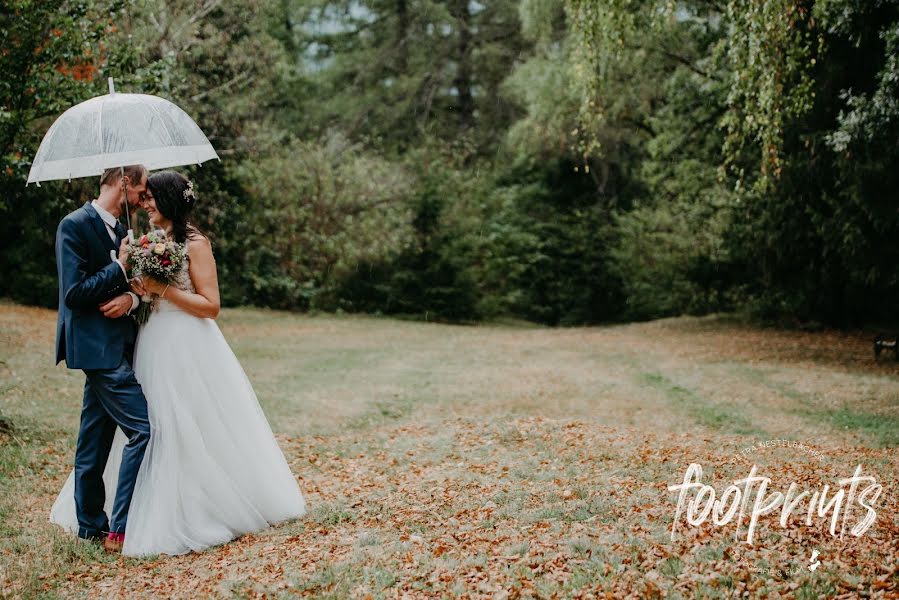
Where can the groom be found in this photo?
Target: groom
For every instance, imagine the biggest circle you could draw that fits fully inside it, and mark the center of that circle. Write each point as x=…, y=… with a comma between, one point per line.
x=95, y=334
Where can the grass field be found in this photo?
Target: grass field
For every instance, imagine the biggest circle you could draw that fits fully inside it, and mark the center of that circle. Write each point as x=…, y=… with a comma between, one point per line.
x=492, y=461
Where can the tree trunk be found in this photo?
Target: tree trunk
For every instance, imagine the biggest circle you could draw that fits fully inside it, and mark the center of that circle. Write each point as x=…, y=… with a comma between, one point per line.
x=464, y=74
x=402, y=36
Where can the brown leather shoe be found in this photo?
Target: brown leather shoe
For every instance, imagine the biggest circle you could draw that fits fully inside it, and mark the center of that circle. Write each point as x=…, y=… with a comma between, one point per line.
x=114, y=542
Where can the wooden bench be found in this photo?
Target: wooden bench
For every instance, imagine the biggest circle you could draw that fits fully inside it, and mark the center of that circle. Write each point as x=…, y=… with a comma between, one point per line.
x=886, y=343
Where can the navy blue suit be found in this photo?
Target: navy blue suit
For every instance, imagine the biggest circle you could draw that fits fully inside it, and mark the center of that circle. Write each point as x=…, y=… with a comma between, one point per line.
x=103, y=348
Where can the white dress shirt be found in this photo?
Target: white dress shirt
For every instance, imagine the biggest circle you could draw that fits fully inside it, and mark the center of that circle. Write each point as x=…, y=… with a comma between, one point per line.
x=110, y=222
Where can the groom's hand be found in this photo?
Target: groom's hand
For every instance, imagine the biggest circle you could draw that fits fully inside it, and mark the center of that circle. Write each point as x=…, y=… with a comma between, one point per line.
x=124, y=254
x=115, y=308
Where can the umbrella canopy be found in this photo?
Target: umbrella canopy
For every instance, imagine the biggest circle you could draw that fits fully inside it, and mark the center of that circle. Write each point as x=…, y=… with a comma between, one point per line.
x=116, y=130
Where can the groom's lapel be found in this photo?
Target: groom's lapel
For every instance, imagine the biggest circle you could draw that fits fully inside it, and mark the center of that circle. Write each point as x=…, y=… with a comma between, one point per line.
x=99, y=226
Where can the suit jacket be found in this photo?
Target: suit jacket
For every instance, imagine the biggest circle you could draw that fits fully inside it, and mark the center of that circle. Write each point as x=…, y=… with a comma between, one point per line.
x=88, y=277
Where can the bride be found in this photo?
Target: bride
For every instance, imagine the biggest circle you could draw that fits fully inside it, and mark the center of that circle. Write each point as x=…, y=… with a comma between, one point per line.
x=212, y=470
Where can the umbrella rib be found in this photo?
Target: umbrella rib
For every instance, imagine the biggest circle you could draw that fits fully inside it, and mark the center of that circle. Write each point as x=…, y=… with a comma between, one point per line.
x=48, y=137
x=161, y=120
x=100, y=126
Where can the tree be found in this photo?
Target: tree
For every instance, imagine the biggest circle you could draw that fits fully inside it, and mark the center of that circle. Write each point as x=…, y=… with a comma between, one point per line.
x=51, y=55
x=393, y=72
x=60, y=53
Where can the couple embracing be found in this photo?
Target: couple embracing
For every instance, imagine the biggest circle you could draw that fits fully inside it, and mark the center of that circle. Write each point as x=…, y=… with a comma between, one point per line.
x=174, y=452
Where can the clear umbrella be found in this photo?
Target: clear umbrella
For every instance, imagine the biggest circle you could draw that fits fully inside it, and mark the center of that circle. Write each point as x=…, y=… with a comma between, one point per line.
x=117, y=130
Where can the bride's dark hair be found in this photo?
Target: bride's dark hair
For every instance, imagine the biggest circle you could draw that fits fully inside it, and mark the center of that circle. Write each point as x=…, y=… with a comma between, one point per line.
x=175, y=199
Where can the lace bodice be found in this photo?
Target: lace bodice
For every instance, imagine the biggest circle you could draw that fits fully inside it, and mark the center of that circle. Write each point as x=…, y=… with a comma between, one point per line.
x=182, y=281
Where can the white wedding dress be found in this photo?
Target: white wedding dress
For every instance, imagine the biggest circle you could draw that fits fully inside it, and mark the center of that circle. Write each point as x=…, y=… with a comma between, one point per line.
x=212, y=470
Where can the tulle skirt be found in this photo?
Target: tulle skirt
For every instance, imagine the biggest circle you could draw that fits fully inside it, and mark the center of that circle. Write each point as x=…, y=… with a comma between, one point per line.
x=213, y=469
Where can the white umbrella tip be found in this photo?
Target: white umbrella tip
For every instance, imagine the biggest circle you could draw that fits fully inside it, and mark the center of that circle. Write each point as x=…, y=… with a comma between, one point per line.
x=111, y=86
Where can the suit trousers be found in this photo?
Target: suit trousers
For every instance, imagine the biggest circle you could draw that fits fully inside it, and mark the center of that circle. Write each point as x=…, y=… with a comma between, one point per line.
x=112, y=397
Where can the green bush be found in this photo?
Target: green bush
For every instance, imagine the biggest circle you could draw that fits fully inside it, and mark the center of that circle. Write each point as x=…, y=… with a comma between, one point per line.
x=547, y=250
x=433, y=277
x=319, y=212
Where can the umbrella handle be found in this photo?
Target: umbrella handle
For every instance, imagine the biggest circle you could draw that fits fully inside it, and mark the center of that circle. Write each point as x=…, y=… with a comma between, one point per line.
x=125, y=199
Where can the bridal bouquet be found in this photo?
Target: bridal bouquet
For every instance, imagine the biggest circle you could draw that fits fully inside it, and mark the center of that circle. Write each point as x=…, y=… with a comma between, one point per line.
x=158, y=257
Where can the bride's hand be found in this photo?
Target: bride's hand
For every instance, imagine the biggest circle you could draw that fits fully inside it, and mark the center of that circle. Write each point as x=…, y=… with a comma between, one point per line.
x=152, y=285
x=137, y=286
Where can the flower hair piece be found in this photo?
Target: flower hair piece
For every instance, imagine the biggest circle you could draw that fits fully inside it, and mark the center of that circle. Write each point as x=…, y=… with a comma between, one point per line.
x=189, y=195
